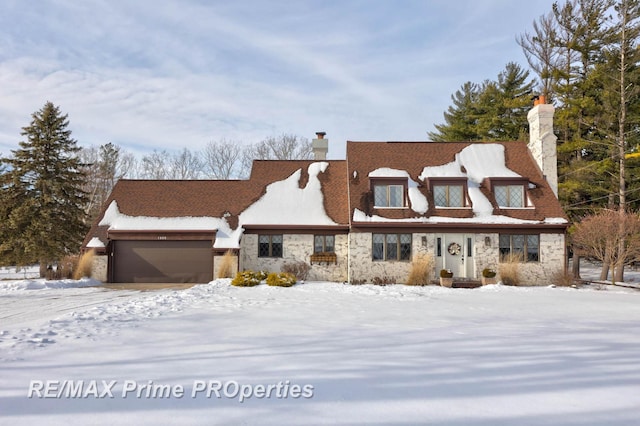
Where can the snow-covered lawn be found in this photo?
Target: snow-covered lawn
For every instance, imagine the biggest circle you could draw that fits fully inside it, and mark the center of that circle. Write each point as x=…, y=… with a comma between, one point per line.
x=372, y=355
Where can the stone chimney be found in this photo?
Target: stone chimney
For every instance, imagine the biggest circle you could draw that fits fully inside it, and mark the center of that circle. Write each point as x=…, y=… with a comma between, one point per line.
x=320, y=147
x=542, y=141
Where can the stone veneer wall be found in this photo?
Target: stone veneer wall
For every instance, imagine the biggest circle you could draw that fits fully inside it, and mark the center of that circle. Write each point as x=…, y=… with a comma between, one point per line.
x=296, y=248
x=99, y=268
x=552, y=261
x=552, y=258
x=364, y=269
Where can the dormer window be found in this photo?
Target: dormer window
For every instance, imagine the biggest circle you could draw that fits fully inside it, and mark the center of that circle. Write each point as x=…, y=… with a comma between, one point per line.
x=509, y=195
x=449, y=193
x=387, y=194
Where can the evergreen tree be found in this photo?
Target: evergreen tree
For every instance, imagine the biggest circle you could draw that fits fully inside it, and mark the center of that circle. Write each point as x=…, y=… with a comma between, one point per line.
x=461, y=118
x=41, y=213
x=492, y=111
x=505, y=104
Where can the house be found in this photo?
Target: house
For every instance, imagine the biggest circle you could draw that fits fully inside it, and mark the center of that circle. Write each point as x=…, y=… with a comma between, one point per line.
x=467, y=204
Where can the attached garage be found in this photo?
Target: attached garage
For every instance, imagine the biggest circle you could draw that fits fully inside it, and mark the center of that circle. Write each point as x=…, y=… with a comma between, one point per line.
x=163, y=261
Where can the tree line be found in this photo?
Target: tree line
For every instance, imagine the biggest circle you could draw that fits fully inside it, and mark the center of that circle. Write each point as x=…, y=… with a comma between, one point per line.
x=104, y=165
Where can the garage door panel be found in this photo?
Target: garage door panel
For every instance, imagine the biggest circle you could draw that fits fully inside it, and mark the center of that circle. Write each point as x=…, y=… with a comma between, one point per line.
x=163, y=261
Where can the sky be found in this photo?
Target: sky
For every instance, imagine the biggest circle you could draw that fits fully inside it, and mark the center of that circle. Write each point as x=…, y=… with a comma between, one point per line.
x=166, y=75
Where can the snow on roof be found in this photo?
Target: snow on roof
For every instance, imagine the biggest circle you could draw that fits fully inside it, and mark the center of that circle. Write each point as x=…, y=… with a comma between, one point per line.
x=418, y=201
x=475, y=163
x=285, y=203
x=360, y=216
x=95, y=243
x=122, y=222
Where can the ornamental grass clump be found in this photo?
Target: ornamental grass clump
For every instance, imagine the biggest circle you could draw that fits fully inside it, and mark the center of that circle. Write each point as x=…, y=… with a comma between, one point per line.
x=226, y=265
x=246, y=279
x=84, y=266
x=510, y=266
x=283, y=279
x=421, y=269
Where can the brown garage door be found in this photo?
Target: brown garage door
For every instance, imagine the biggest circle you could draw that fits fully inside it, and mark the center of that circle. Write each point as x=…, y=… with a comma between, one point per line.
x=162, y=261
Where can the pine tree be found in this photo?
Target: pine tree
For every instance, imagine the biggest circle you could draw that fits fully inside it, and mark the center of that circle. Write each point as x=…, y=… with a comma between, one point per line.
x=461, y=118
x=492, y=111
x=41, y=213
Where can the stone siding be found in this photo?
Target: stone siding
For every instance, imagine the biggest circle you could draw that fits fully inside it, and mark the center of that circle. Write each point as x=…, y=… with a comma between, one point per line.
x=552, y=261
x=486, y=254
x=99, y=267
x=363, y=269
x=296, y=248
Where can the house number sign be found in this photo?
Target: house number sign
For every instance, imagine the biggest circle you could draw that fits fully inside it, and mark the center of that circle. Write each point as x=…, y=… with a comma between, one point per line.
x=454, y=249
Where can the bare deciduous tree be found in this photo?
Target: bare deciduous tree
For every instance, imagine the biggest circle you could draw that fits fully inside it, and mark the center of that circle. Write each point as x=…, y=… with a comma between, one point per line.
x=185, y=165
x=221, y=159
x=154, y=165
x=609, y=236
x=283, y=147
x=103, y=166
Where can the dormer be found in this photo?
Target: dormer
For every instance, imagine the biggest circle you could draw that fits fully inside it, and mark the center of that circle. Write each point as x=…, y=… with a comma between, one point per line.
x=509, y=192
x=449, y=192
x=389, y=192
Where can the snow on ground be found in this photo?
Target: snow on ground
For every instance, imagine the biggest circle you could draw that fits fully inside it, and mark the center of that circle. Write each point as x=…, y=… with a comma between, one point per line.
x=373, y=355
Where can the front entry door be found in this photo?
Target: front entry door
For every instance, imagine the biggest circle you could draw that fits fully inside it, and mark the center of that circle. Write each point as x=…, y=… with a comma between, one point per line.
x=454, y=254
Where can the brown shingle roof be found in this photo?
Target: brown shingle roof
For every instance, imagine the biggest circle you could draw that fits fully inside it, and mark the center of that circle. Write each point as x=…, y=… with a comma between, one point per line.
x=214, y=198
x=413, y=157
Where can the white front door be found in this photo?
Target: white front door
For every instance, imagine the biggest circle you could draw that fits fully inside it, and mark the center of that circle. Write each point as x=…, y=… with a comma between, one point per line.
x=456, y=254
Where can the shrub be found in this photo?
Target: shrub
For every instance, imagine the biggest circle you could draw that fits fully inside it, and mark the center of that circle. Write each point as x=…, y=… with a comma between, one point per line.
x=246, y=279
x=63, y=269
x=562, y=278
x=283, y=279
x=421, y=268
x=488, y=273
x=84, y=266
x=358, y=281
x=299, y=269
x=446, y=273
x=510, y=269
x=227, y=265
x=383, y=281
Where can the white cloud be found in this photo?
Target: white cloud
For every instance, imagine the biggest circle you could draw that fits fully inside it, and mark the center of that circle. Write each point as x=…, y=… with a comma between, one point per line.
x=172, y=74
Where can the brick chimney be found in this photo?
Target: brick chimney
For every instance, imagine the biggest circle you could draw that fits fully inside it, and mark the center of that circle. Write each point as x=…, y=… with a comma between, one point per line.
x=320, y=147
x=542, y=141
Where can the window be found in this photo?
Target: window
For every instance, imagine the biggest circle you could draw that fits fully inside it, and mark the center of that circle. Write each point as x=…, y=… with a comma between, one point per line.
x=270, y=246
x=526, y=248
x=509, y=195
x=448, y=195
x=388, y=195
x=324, y=244
x=391, y=247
